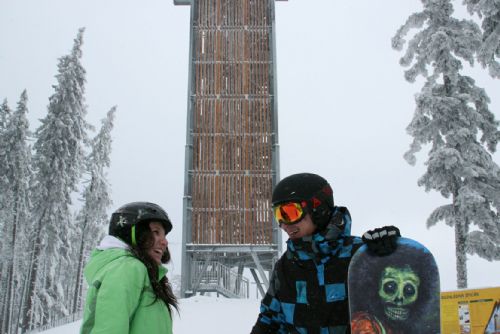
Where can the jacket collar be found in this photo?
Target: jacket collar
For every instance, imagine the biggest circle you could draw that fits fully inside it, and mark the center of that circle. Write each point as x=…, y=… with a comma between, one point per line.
x=323, y=243
x=110, y=241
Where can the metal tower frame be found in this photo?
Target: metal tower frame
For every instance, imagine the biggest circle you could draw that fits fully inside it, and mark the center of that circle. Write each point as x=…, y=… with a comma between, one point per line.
x=232, y=151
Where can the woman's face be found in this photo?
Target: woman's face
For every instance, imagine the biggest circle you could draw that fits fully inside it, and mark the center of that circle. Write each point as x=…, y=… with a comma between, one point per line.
x=160, y=242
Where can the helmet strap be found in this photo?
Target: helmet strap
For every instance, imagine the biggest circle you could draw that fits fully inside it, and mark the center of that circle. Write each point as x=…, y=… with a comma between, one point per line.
x=132, y=236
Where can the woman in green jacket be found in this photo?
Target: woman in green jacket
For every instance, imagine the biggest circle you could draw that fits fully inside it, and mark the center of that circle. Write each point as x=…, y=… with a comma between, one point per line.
x=128, y=290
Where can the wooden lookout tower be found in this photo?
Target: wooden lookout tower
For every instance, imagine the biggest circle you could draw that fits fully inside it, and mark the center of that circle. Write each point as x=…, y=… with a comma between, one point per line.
x=232, y=154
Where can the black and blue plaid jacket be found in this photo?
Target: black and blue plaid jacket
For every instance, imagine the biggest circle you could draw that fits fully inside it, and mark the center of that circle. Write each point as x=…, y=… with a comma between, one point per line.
x=308, y=287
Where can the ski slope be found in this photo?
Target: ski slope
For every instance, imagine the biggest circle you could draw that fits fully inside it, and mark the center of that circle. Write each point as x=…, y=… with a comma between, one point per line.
x=208, y=315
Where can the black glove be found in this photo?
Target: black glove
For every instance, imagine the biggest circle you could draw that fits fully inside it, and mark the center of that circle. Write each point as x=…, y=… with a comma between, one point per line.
x=382, y=241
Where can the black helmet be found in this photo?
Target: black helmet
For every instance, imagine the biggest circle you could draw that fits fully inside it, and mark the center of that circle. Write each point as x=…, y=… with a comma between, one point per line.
x=124, y=220
x=311, y=188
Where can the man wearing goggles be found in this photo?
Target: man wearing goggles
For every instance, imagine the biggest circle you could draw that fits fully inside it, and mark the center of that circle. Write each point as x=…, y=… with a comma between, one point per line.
x=293, y=219
x=307, y=290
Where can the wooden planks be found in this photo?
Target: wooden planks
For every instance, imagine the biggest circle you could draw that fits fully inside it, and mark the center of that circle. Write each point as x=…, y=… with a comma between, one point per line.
x=232, y=130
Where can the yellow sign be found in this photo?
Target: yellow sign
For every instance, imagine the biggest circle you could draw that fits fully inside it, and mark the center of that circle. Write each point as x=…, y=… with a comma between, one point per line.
x=474, y=311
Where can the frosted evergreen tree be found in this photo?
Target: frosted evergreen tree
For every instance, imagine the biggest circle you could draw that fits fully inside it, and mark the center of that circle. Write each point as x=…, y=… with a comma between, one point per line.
x=4, y=114
x=58, y=164
x=453, y=119
x=16, y=153
x=92, y=218
x=489, y=51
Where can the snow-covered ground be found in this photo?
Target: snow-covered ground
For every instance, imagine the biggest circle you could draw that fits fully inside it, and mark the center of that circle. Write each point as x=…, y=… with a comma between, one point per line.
x=208, y=315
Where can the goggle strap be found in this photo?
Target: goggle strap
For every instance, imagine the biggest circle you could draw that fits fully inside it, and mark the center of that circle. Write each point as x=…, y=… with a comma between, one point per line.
x=132, y=232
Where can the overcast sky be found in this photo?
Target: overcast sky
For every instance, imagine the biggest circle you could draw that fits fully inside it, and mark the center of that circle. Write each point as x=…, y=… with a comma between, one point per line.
x=343, y=104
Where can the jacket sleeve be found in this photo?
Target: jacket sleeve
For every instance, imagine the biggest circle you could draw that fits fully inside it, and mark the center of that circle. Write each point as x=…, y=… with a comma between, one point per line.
x=271, y=317
x=118, y=296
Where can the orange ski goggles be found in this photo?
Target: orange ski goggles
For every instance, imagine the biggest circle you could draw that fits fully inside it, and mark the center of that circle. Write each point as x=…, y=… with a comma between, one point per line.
x=289, y=213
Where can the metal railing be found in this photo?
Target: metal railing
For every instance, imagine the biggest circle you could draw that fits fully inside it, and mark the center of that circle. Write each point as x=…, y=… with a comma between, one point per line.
x=213, y=276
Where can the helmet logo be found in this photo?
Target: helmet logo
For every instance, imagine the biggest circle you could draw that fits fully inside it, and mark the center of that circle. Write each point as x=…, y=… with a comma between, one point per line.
x=315, y=202
x=121, y=221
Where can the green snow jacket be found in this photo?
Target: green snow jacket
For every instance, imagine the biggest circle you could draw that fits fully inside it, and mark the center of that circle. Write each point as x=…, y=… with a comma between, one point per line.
x=120, y=298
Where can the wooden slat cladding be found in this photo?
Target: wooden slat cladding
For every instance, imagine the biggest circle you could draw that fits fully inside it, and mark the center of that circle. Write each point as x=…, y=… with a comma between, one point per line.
x=232, y=130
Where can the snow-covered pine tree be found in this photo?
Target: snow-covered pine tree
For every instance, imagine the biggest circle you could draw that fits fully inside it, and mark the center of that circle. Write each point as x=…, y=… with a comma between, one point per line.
x=452, y=116
x=16, y=154
x=92, y=218
x=58, y=164
x=489, y=51
x=4, y=114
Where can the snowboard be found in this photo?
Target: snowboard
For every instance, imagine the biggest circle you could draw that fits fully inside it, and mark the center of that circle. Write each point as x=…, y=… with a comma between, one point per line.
x=394, y=294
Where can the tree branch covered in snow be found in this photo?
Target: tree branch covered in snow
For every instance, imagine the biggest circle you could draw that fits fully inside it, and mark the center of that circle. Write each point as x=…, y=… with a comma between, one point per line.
x=489, y=51
x=452, y=117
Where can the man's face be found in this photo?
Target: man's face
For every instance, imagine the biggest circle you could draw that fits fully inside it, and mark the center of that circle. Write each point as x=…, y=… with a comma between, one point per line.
x=302, y=229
